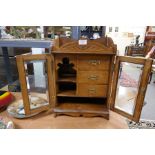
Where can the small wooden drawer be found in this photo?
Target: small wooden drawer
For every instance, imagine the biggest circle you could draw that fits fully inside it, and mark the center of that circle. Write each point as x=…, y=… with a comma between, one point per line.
x=93, y=77
x=92, y=90
x=91, y=62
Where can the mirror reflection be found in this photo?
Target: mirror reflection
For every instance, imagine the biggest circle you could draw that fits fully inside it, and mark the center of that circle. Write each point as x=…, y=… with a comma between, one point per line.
x=127, y=86
x=36, y=78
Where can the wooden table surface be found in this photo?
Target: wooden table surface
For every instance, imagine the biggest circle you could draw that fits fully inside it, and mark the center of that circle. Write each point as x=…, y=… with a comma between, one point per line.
x=46, y=120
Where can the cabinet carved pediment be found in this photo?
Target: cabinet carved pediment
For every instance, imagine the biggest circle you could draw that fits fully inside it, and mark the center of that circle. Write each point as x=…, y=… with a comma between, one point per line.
x=91, y=46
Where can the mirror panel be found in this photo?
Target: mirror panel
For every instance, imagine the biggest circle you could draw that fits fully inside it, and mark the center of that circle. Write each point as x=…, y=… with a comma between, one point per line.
x=37, y=85
x=128, y=86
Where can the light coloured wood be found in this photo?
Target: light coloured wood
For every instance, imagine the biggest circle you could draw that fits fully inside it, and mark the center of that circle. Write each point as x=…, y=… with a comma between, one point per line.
x=92, y=46
x=61, y=41
x=141, y=90
x=22, y=76
x=93, y=62
x=92, y=90
x=135, y=60
x=23, y=84
x=114, y=83
x=93, y=77
x=67, y=93
x=67, y=79
x=51, y=80
x=123, y=113
x=112, y=63
x=31, y=57
x=77, y=88
x=40, y=109
x=85, y=114
x=87, y=109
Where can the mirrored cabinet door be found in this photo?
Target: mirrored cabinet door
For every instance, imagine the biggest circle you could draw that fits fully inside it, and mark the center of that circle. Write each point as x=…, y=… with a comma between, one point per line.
x=36, y=79
x=129, y=85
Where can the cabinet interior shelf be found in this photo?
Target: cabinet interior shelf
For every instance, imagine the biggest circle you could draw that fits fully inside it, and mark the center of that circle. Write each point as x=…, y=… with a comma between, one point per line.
x=67, y=93
x=72, y=93
x=67, y=79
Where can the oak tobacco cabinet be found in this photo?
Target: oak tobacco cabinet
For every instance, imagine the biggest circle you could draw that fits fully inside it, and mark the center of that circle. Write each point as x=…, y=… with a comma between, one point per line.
x=78, y=78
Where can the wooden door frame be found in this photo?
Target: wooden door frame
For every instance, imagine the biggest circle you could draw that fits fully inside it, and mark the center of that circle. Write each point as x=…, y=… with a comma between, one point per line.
x=23, y=83
x=142, y=87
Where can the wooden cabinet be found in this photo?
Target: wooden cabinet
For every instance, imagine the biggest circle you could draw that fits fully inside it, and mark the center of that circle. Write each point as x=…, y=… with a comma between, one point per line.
x=150, y=34
x=135, y=51
x=82, y=79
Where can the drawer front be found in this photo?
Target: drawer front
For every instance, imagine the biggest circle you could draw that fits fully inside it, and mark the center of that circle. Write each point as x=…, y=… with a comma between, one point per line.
x=93, y=62
x=93, y=77
x=92, y=90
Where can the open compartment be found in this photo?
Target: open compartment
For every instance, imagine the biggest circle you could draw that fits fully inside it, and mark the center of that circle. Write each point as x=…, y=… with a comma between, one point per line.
x=66, y=89
x=81, y=105
x=66, y=69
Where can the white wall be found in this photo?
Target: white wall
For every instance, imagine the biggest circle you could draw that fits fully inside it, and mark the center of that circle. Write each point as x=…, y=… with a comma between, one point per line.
x=126, y=36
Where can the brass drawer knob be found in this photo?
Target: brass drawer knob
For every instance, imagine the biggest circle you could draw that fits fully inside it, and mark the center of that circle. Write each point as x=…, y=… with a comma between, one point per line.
x=92, y=91
x=94, y=62
x=93, y=77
